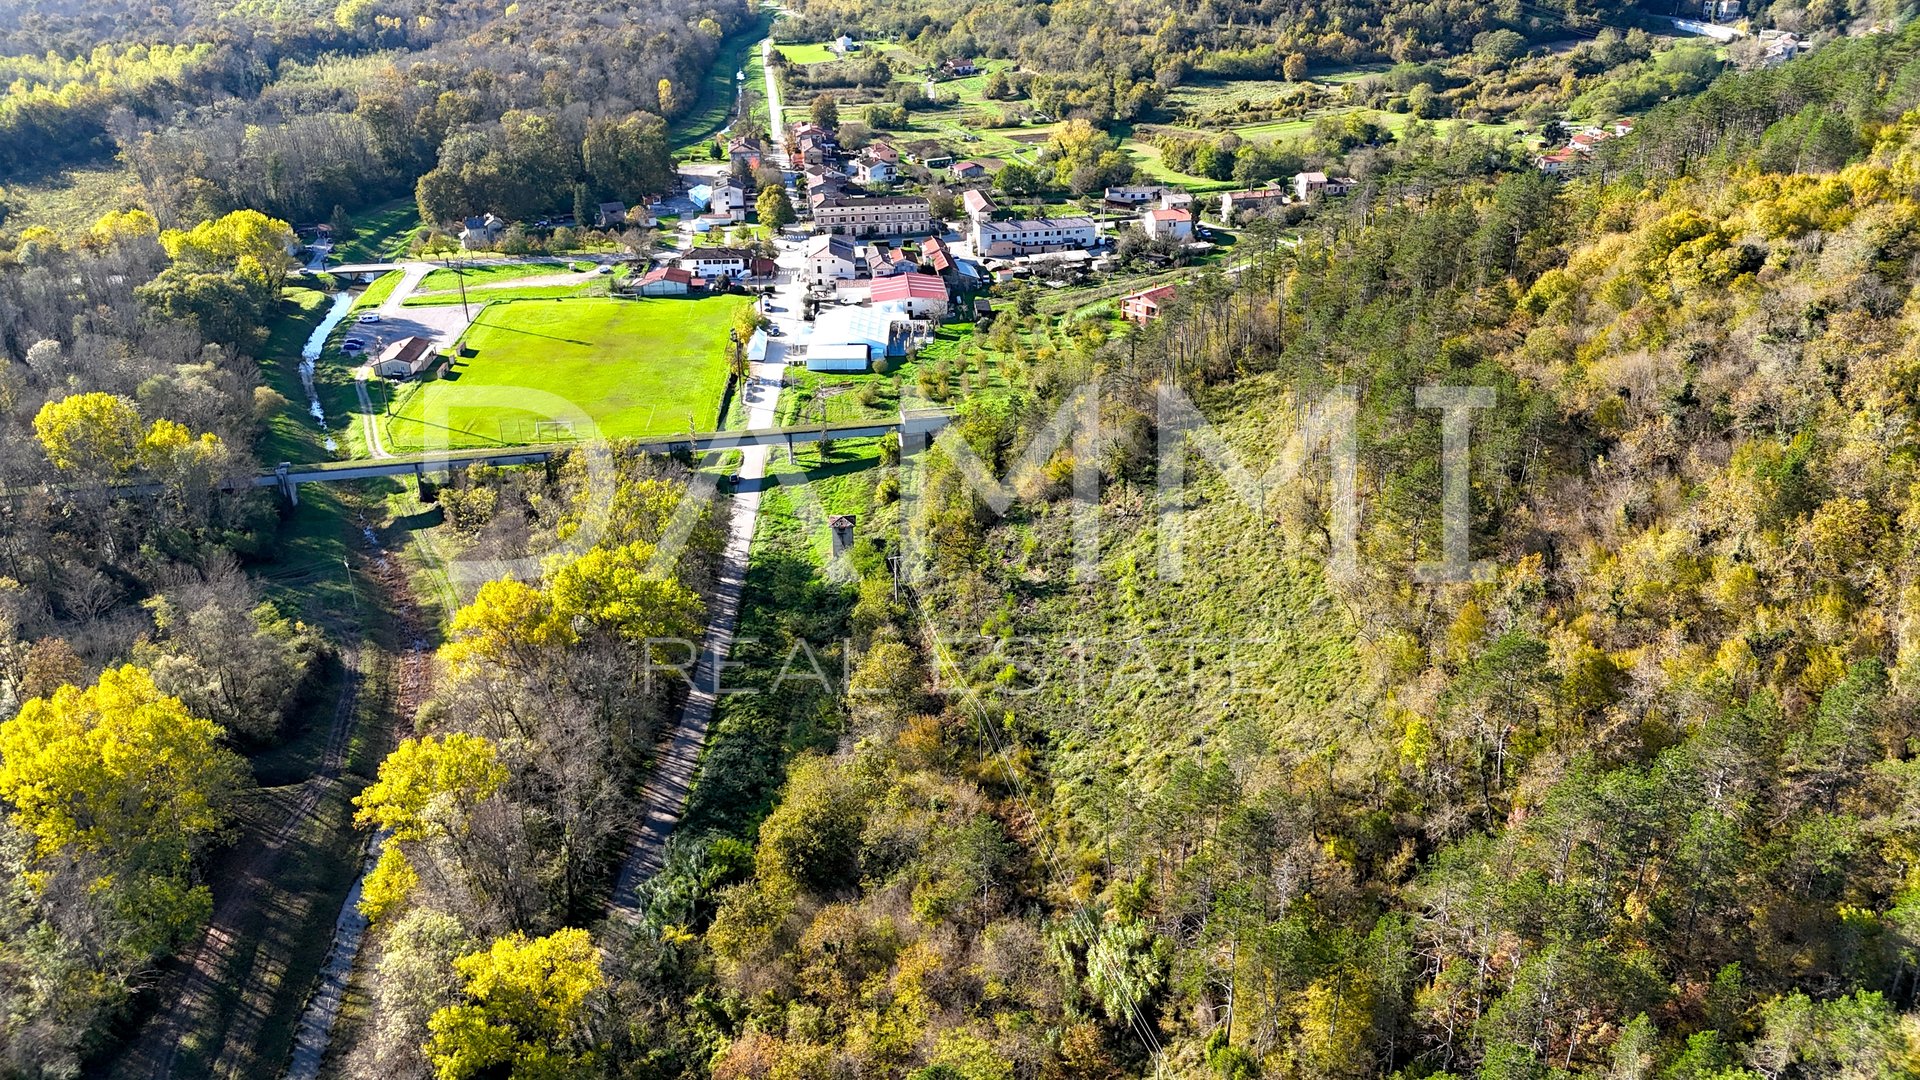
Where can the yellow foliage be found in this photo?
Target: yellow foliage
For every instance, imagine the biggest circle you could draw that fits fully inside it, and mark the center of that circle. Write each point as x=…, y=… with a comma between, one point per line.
x=117, y=768
x=426, y=783
x=393, y=878
x=526, y=1010
x=94, y=430
x=116, y=226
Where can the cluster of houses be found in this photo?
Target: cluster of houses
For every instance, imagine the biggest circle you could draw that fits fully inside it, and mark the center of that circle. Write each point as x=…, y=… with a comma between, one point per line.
x=1580, y=147
x=705, y=268
x=1305, y=187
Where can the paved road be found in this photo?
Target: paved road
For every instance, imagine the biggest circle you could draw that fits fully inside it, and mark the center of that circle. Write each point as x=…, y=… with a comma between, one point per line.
x=665, y=795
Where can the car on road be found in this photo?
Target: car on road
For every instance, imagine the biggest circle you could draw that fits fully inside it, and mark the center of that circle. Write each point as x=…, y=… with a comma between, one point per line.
x=369, y=317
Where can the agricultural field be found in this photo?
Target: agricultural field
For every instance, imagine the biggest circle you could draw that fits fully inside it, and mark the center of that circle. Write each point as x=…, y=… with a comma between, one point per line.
x=820, y=52
x=625, y=368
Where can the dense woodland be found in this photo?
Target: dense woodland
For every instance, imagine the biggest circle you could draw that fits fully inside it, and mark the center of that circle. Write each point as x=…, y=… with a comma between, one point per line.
x=216, y=111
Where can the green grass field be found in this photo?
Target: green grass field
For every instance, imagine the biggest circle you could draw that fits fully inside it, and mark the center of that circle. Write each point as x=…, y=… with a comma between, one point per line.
x=821, y=52
x=625, y=368
x=380, y=233
x=488, y=273
x=378, y=290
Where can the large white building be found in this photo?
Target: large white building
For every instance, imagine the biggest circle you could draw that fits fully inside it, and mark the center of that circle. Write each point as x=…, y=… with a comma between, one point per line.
x=873, y=215
x=1005, y=239
x=829, y=259
x=713, y=262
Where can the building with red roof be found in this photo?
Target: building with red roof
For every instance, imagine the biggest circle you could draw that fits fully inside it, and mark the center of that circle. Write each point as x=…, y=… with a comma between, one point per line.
x=924, y=296
x=1144, y=306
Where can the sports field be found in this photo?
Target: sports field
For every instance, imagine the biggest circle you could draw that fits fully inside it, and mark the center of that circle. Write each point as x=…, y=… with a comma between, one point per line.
x=549, y=370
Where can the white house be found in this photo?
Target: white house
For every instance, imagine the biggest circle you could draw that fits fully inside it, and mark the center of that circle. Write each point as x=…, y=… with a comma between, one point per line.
x=405, y=358
x=729, y=199
x=873, y=171
x=1308, y=184
x=1167, y=224
x=977, y=205
x=1133, y=194
x=923, y=296
x=716, y=262
x=481, y=232
x=1005, y=239
x=830, y=259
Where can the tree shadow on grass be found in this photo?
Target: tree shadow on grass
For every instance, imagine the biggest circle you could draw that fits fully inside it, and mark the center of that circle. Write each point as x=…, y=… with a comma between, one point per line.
x=818, y=472
x=536, y=333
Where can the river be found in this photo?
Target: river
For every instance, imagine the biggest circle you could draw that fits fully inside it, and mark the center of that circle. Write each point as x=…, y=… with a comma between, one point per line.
x=310, y=359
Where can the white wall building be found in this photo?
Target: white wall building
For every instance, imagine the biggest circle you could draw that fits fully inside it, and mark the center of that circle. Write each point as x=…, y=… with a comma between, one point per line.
x=830, y=259
x=1167, y=224
x=1005, y=239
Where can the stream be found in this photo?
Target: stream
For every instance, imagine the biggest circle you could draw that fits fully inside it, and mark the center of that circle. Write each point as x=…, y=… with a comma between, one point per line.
x=314, y=1035
x=310, y=359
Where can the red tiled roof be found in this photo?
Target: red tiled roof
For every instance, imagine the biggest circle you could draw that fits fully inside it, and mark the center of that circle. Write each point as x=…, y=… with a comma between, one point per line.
x=1170, y=215
x=1156, y=294
x=935, y=249
x=909, y=287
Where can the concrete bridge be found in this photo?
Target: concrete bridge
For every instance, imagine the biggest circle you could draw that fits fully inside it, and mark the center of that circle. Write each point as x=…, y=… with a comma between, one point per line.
x=916, y=428
x=362, y=271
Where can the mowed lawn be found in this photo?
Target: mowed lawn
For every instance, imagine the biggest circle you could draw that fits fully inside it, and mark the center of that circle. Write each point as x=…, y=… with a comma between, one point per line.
x=618, y=368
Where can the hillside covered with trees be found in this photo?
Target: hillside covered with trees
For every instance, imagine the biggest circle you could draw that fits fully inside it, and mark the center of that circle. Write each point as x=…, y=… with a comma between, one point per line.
x=1637, y=802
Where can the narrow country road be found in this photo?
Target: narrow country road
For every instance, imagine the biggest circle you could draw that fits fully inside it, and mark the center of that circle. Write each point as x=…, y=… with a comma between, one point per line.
x=444, y=323
x=664, y=796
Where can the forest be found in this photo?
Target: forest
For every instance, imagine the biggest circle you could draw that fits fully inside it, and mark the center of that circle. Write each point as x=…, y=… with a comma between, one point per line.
x=1636, y=803
x=295, y=118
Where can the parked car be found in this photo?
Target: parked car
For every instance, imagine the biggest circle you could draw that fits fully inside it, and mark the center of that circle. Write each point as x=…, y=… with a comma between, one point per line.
x=353, y=345
x=369, y=317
